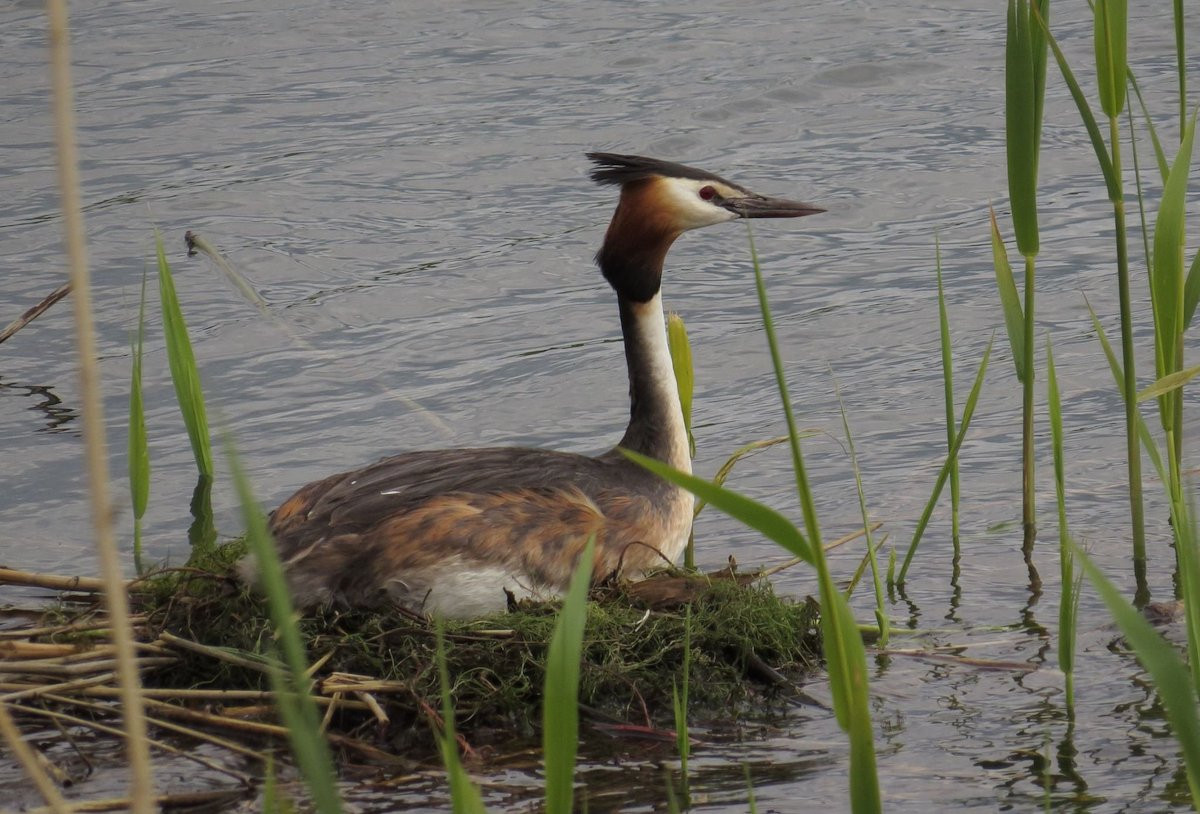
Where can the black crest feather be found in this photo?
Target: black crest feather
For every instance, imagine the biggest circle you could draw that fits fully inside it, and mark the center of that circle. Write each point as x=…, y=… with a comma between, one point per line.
x=614, y=168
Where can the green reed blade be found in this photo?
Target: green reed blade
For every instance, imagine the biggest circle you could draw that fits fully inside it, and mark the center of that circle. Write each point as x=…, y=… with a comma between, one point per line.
x=1114, y=365
x=272, y=801
x=848, y=670
x=182, y=361
x=726, y=469
x=1089, y=120
x=948, y=387
x=1167, y=278
x=685, y=375
x=846, y=660
x=1171, y=679
x=951, y=456
x=881, y=618
x=139, y=450
x=1025, y=85
x=291, y=682
x=1068, y=604
x=770, y=523
x=1037, y=46
x=1168, y=383
x=464, y=794
x=1191, y=291
x=1160, y=155
x=1110, y=20
x=1010, y=300
x=685, y=381
x=560, y=706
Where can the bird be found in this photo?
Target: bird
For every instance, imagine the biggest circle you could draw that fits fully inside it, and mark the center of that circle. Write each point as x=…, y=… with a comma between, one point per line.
x=460, y=533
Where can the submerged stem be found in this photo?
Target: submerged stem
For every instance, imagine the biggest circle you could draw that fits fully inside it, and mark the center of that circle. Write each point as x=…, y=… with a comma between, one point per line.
x=1028, y=503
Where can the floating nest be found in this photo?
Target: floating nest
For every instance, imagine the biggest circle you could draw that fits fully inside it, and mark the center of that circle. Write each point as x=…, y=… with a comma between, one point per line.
x=202, y=639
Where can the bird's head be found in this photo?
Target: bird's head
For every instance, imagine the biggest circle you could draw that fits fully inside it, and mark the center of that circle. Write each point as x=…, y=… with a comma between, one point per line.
x=661, y=200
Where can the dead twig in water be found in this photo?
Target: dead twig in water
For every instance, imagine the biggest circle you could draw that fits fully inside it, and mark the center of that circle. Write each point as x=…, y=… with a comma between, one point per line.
x=36, y=311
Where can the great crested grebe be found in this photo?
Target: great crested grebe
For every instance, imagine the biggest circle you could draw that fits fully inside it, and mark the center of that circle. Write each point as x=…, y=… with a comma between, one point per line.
x=449, y=532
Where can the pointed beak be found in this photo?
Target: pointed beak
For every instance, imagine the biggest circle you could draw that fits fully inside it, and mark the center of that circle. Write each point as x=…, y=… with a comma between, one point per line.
x=758, y=206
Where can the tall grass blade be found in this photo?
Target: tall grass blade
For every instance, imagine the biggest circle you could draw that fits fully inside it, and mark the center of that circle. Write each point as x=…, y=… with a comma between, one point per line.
x=1109, y=31
x=793, y=433
x=139, y=450
x=1171, y=679
x=182, y=361
x=948, y=387
x=844, y=652
x=1068, y=604
x=1010, y=299
x=881, y=618
x=951, y=456
x=1110, y=45
x=846, y=659
x=290, y=682
x=464, y=794
x=560, y=711
x=770, y=523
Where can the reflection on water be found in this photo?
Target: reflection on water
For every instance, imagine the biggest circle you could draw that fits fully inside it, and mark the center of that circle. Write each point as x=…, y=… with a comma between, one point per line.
x=56, y=416
x=405, y=189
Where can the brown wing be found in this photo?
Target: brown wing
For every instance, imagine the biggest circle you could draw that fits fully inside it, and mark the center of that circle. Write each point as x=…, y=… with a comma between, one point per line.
x=527, y=512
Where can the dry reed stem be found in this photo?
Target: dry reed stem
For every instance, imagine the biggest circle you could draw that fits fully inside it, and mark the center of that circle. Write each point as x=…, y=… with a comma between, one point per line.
x=90, y=667
x=218, y=653
x=381, y=717
x=27, y=757
x=36, y=311
x=53, y=582
x=184, y=800
x=141, y=779
x=274, y=731
x=166, y=747
x=173, y=727
x=26, y=650
x=22, y=691
x=56, y=630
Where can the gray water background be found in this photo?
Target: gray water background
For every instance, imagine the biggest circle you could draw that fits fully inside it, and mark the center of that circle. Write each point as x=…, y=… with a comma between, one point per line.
x=405, y=185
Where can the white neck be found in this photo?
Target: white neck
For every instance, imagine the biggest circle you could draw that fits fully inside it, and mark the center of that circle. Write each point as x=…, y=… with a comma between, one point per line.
x=656, y=425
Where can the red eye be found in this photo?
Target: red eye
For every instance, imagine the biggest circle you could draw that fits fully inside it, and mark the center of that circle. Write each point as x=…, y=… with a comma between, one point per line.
x=708, y=193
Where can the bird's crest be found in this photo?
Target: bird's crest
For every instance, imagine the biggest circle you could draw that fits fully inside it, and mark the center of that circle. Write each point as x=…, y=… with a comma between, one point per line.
x=617, y=169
